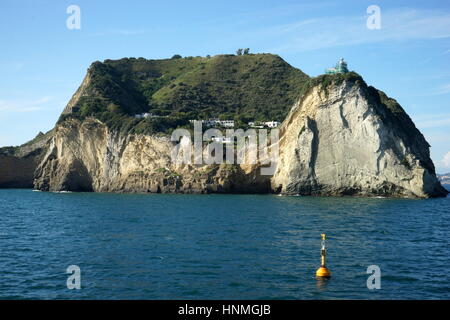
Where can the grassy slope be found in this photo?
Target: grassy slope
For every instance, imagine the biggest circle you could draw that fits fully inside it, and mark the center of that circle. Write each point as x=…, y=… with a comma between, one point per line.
x=244, y=88
x=29, y=146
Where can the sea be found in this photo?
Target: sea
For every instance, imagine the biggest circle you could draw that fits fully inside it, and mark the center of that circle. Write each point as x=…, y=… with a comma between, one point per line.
x=172, y=246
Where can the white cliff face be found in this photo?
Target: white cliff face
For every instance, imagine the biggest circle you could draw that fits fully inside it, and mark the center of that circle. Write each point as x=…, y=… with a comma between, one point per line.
x=335, y=142
x=86, y=156
x=339, y=140
x=18, y=165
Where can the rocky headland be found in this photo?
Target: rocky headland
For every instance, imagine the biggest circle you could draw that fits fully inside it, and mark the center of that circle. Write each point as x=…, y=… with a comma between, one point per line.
x=338, y=135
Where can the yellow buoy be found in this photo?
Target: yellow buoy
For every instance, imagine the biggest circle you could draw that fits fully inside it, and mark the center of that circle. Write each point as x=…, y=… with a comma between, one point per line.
x=323, y=271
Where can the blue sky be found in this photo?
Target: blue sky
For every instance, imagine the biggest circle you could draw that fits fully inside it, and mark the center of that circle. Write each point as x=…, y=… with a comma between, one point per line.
x=43, y=62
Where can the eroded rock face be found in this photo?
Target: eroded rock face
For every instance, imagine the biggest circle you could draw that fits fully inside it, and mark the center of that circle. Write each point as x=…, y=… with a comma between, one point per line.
x=16, y=172
x=86, y=156
x=18, y=164
x=339, y=139
x=345, y=141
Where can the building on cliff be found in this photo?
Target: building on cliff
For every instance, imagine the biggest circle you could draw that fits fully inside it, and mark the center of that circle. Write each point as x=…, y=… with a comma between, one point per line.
x=267, y=124
x=146, y=115
x=340, y=137
x=341, y=67
x=216, y=122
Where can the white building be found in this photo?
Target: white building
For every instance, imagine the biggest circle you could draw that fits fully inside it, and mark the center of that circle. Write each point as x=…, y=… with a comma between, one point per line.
x=210, y=122
x=272, y=124
x=221, y=140
x=216, y=122
x=261, y=125
x=226, y=123
x=256, y=125
x=146, y=115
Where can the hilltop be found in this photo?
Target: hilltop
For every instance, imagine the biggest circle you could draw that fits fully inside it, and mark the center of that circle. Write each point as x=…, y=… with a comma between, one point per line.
x=338, y=135
x=251, y=87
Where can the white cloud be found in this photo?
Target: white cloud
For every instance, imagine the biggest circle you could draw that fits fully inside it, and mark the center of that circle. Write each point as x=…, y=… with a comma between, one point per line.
x=446, y=160
x=440, y=90
x=444, y=89
x=256, y=15
x=24, y=105
x=127, y=32
x=432, y=121
x=12, y=66
x=400, y=24
x=119, y=32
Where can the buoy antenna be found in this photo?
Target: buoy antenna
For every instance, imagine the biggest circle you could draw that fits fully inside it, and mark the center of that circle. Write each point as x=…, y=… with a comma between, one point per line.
x=323, y=271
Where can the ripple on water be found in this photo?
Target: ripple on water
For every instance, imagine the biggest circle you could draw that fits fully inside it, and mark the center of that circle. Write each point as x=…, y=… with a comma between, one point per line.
x=220, y=246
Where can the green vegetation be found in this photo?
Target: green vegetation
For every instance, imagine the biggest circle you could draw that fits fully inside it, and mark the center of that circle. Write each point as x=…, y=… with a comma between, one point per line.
x=392, y=114
x=13, y=150
x=240, y=52
x=390, y=103
x=168, y=173
x=325, y=80
x=247, y=87
x=8, y=151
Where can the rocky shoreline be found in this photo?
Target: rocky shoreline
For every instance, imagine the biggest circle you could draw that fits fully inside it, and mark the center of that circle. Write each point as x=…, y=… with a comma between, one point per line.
x=340, y=138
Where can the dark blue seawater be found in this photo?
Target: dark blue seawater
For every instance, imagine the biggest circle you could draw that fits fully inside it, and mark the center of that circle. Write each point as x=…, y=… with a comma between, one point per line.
x=220, y=246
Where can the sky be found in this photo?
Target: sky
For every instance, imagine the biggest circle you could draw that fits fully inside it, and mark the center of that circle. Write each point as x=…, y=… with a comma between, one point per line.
x=42, y=61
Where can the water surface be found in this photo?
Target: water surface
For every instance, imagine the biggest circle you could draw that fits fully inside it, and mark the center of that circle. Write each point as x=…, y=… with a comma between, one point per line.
x=220, y=246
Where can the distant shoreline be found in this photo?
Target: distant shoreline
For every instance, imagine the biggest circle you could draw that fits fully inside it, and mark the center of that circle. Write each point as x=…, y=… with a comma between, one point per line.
x=446, y=186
